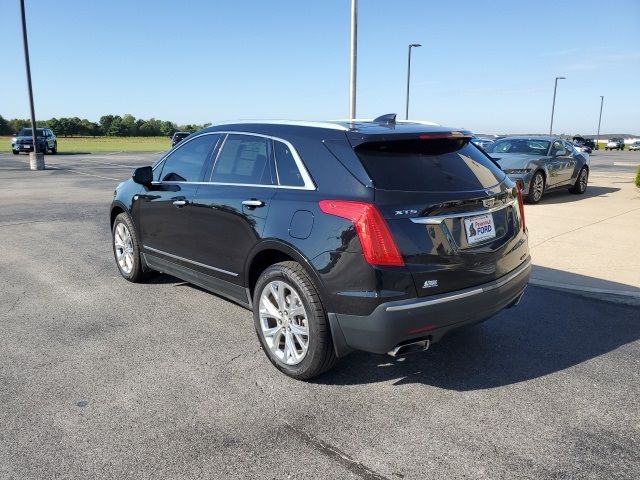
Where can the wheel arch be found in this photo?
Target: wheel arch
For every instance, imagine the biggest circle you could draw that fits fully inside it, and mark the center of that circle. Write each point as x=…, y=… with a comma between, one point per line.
x=116, y=209
x=269, y=252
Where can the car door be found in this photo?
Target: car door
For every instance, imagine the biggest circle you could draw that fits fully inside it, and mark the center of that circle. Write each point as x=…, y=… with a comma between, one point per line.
x=164, y=211
x=230, y=210
x=560, y=163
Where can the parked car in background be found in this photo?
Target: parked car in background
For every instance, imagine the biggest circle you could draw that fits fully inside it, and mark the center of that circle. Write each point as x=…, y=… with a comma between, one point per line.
x=540, y=164
x=483, y=143
x=340, y=236
x=581, y=147
x=587, y=142
x=23, y=141
x=635, y=145
x=178, y=137
x=615, y=144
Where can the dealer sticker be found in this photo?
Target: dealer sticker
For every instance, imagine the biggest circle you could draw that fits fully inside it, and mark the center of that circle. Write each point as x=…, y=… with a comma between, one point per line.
x=479, y=228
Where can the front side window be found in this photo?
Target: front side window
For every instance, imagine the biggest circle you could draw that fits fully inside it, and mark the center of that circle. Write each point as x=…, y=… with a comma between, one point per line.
x=244, y=159
x=288, y=172
x=186, y=164
x=558, y=149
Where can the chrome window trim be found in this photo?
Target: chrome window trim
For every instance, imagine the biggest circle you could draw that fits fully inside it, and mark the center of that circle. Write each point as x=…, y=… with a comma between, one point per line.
x=306, y=178
x=190, y=261
x=457, y=296
x=438, y=219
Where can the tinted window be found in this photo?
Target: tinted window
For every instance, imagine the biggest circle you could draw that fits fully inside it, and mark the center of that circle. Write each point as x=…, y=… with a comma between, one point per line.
x=434, y=165
x=520, y=145
x=26, y=132
x=244, y=159
x=288, y=172
x=186, y=163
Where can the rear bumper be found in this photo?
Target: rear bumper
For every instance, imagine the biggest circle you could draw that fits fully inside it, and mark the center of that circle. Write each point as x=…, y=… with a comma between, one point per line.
x=393, y=323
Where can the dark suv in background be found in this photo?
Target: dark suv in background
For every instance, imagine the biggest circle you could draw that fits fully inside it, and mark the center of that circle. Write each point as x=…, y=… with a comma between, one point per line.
x=178, y=137
x=23, y=141
x=376, y=236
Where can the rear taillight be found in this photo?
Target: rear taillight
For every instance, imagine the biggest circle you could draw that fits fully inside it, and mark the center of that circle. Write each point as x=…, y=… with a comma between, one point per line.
x=378, y=245
x=521, y=205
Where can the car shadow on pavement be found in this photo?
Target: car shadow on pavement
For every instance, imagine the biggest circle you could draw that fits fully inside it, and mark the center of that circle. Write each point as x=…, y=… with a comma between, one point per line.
x=548, y=332
x=562, y=195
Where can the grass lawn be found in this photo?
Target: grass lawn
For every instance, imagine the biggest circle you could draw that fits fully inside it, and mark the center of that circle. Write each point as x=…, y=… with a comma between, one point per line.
x=103, y=144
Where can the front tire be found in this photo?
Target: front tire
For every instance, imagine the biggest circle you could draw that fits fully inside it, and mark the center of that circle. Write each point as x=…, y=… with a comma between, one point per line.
x=581, y=182
x=291, y=323
x=536, y=188
x=54, y=150
x=15, y=152
x=126, y=249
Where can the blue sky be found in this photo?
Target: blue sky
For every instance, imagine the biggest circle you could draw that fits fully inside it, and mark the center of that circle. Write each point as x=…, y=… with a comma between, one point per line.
x=486, y=66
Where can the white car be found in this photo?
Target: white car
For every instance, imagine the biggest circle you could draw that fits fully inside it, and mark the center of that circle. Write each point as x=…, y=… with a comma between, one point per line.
x=635, y=145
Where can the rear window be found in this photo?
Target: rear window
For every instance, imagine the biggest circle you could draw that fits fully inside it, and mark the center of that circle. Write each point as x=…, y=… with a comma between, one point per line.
x=433, y=165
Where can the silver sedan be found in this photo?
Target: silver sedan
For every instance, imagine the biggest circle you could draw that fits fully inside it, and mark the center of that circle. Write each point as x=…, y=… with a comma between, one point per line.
x=539, y=164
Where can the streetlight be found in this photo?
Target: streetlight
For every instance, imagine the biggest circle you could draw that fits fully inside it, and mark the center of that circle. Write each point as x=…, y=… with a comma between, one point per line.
x=354, y=58
x=599, y=120
x=409, y=76
x=554, y=103
x=36, y=160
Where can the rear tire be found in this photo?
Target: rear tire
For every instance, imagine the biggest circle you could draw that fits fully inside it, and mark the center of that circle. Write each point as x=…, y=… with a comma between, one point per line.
x=286, y=304
x=536, y=188
x=54, y=150
x=581, y=182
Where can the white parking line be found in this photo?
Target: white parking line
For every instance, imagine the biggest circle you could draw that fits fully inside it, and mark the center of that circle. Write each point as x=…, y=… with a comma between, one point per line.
x=62, y=169
x=626, y=164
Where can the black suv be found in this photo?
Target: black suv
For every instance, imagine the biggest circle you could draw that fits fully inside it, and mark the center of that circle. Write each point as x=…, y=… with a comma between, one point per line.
x=376, y=236
x=178, y=137
x=23, y=141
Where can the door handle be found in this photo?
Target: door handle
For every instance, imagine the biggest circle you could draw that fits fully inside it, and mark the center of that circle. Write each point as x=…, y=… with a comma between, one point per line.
x=180, y=203
x=253, y=203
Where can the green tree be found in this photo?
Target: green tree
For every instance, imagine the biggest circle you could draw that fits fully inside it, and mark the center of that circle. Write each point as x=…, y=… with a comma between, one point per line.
x=168, y=128
x=128, y=125
x=105, y=123
x=5, y=128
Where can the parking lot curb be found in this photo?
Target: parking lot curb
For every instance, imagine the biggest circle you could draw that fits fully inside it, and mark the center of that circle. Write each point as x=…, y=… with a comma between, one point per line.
x=626, y=297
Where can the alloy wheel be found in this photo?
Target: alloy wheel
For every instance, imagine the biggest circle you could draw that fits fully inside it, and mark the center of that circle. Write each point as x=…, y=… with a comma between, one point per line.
x=123, y=244
x=582, y=181
x=284, y=322
x=538, y=187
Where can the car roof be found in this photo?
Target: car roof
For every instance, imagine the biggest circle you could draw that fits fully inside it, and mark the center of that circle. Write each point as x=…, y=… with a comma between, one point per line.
x=365, y=127
x=549, y=138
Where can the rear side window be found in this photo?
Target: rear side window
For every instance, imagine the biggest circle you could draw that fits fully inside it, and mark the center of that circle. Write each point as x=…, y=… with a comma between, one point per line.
x=244, y=159
x=186, y=163
x=288, y=172
x=433, y=165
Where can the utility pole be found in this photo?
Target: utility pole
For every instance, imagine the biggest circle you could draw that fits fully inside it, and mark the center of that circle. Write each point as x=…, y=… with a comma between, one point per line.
x=599, y=120
x=406, y=116
x=36, y=159
x=354, y=59
x=553, y=106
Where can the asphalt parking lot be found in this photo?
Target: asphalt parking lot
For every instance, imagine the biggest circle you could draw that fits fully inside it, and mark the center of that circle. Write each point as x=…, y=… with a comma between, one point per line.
x=103, y=378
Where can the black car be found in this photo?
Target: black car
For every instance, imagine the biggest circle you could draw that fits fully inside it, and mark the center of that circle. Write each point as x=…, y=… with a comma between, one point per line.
x=178, y=137
x=23, y=141
x=340, y=236
x=584, y=142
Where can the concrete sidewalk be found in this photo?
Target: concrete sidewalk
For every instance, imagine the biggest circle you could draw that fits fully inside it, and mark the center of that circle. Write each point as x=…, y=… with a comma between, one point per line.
x=589, y=243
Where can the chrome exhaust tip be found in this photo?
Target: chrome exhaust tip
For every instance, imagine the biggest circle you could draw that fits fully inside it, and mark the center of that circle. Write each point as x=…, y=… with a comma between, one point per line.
x=411, y=347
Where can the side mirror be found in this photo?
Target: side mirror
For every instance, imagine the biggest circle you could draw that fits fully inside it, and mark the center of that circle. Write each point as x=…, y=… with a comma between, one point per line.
x=143, y=175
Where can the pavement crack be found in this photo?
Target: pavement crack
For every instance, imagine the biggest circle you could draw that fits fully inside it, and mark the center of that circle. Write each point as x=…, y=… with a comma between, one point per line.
x=339, y=456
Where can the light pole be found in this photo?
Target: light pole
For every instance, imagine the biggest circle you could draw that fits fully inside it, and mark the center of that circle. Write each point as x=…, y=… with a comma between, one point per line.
x=354, y=59
x=36, y=159
x=599, y=120
x=406, y=115
x=553, y=107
